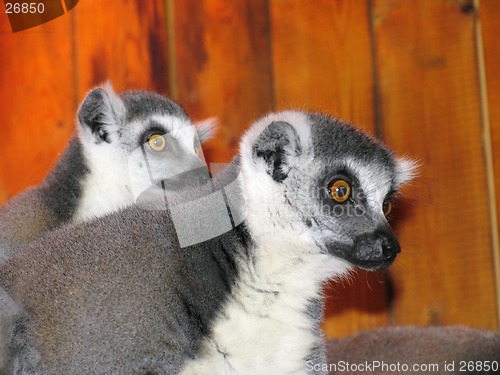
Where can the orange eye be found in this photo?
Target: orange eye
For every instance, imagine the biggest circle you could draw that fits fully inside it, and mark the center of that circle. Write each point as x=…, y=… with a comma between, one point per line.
x=157, y=142
x=387, y=207
x=340, y=191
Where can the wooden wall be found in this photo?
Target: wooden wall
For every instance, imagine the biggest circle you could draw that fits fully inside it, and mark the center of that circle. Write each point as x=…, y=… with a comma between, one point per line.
x=424, y=76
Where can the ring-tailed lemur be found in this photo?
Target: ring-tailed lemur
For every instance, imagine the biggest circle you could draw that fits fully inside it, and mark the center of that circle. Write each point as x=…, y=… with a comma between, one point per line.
x=119, y=295
x=92, y=177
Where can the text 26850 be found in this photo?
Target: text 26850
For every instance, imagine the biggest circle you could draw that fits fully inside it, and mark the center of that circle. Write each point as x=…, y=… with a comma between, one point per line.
x=24, y=8
x=478, y=366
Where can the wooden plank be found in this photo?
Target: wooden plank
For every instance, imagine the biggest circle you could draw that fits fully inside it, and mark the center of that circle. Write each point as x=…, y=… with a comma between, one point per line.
x=489, y=14
x=430, y=107
x=124, y=41
x=38, y=101
x=360, y=303
x=322, y=58
x=222, y=65
x=322, y=61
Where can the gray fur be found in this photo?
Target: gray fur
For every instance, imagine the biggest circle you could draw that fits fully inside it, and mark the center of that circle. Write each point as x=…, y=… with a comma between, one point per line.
x=349, y=141
x=137, y=280
x=417, y=345
x=41, y=209
x=141, y=104
x=315, y=311
x=119, y=295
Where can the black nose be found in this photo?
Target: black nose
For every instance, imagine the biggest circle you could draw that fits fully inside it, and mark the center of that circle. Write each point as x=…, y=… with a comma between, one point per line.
x=390, y=245
x=376, y=250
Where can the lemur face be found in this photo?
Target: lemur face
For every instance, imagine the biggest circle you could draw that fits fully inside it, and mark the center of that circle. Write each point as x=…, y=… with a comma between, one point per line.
x=348, y=209
x=141, y=142
x=338, y=183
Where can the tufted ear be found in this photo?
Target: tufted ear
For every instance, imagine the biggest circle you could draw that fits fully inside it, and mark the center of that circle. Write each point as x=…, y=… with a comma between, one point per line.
x=276, y=145
x=207, y=128
x=101, y=113
x=406, y=170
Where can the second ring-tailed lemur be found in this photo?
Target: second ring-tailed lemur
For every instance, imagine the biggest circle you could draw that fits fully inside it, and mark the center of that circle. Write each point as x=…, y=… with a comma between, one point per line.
x=92, y=177
x=120, y=295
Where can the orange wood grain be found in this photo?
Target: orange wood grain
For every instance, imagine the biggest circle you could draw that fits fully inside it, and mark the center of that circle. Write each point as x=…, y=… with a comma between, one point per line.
x=322, y=58
x=323, y=62
x=359, y=303
x=489, y=14
x=431, y=110
x=223, y=66
x=38, y=101
x=124, y=41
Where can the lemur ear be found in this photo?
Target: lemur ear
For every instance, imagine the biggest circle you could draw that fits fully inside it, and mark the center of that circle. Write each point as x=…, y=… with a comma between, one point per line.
x=207, y=128
x=276, y=145
x=101, y=113
x=406, y=170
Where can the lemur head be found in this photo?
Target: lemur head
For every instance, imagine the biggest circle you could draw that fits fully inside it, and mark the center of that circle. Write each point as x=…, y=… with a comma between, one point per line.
x=125, y=122
x=325, y=185
x=133, y=141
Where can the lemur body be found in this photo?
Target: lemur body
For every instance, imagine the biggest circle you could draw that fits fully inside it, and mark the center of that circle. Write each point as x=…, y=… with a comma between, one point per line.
x=92, y=177
x=131, y=300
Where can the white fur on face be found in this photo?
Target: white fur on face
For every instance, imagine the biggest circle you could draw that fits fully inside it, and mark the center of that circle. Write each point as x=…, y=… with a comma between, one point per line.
x=106, y=188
